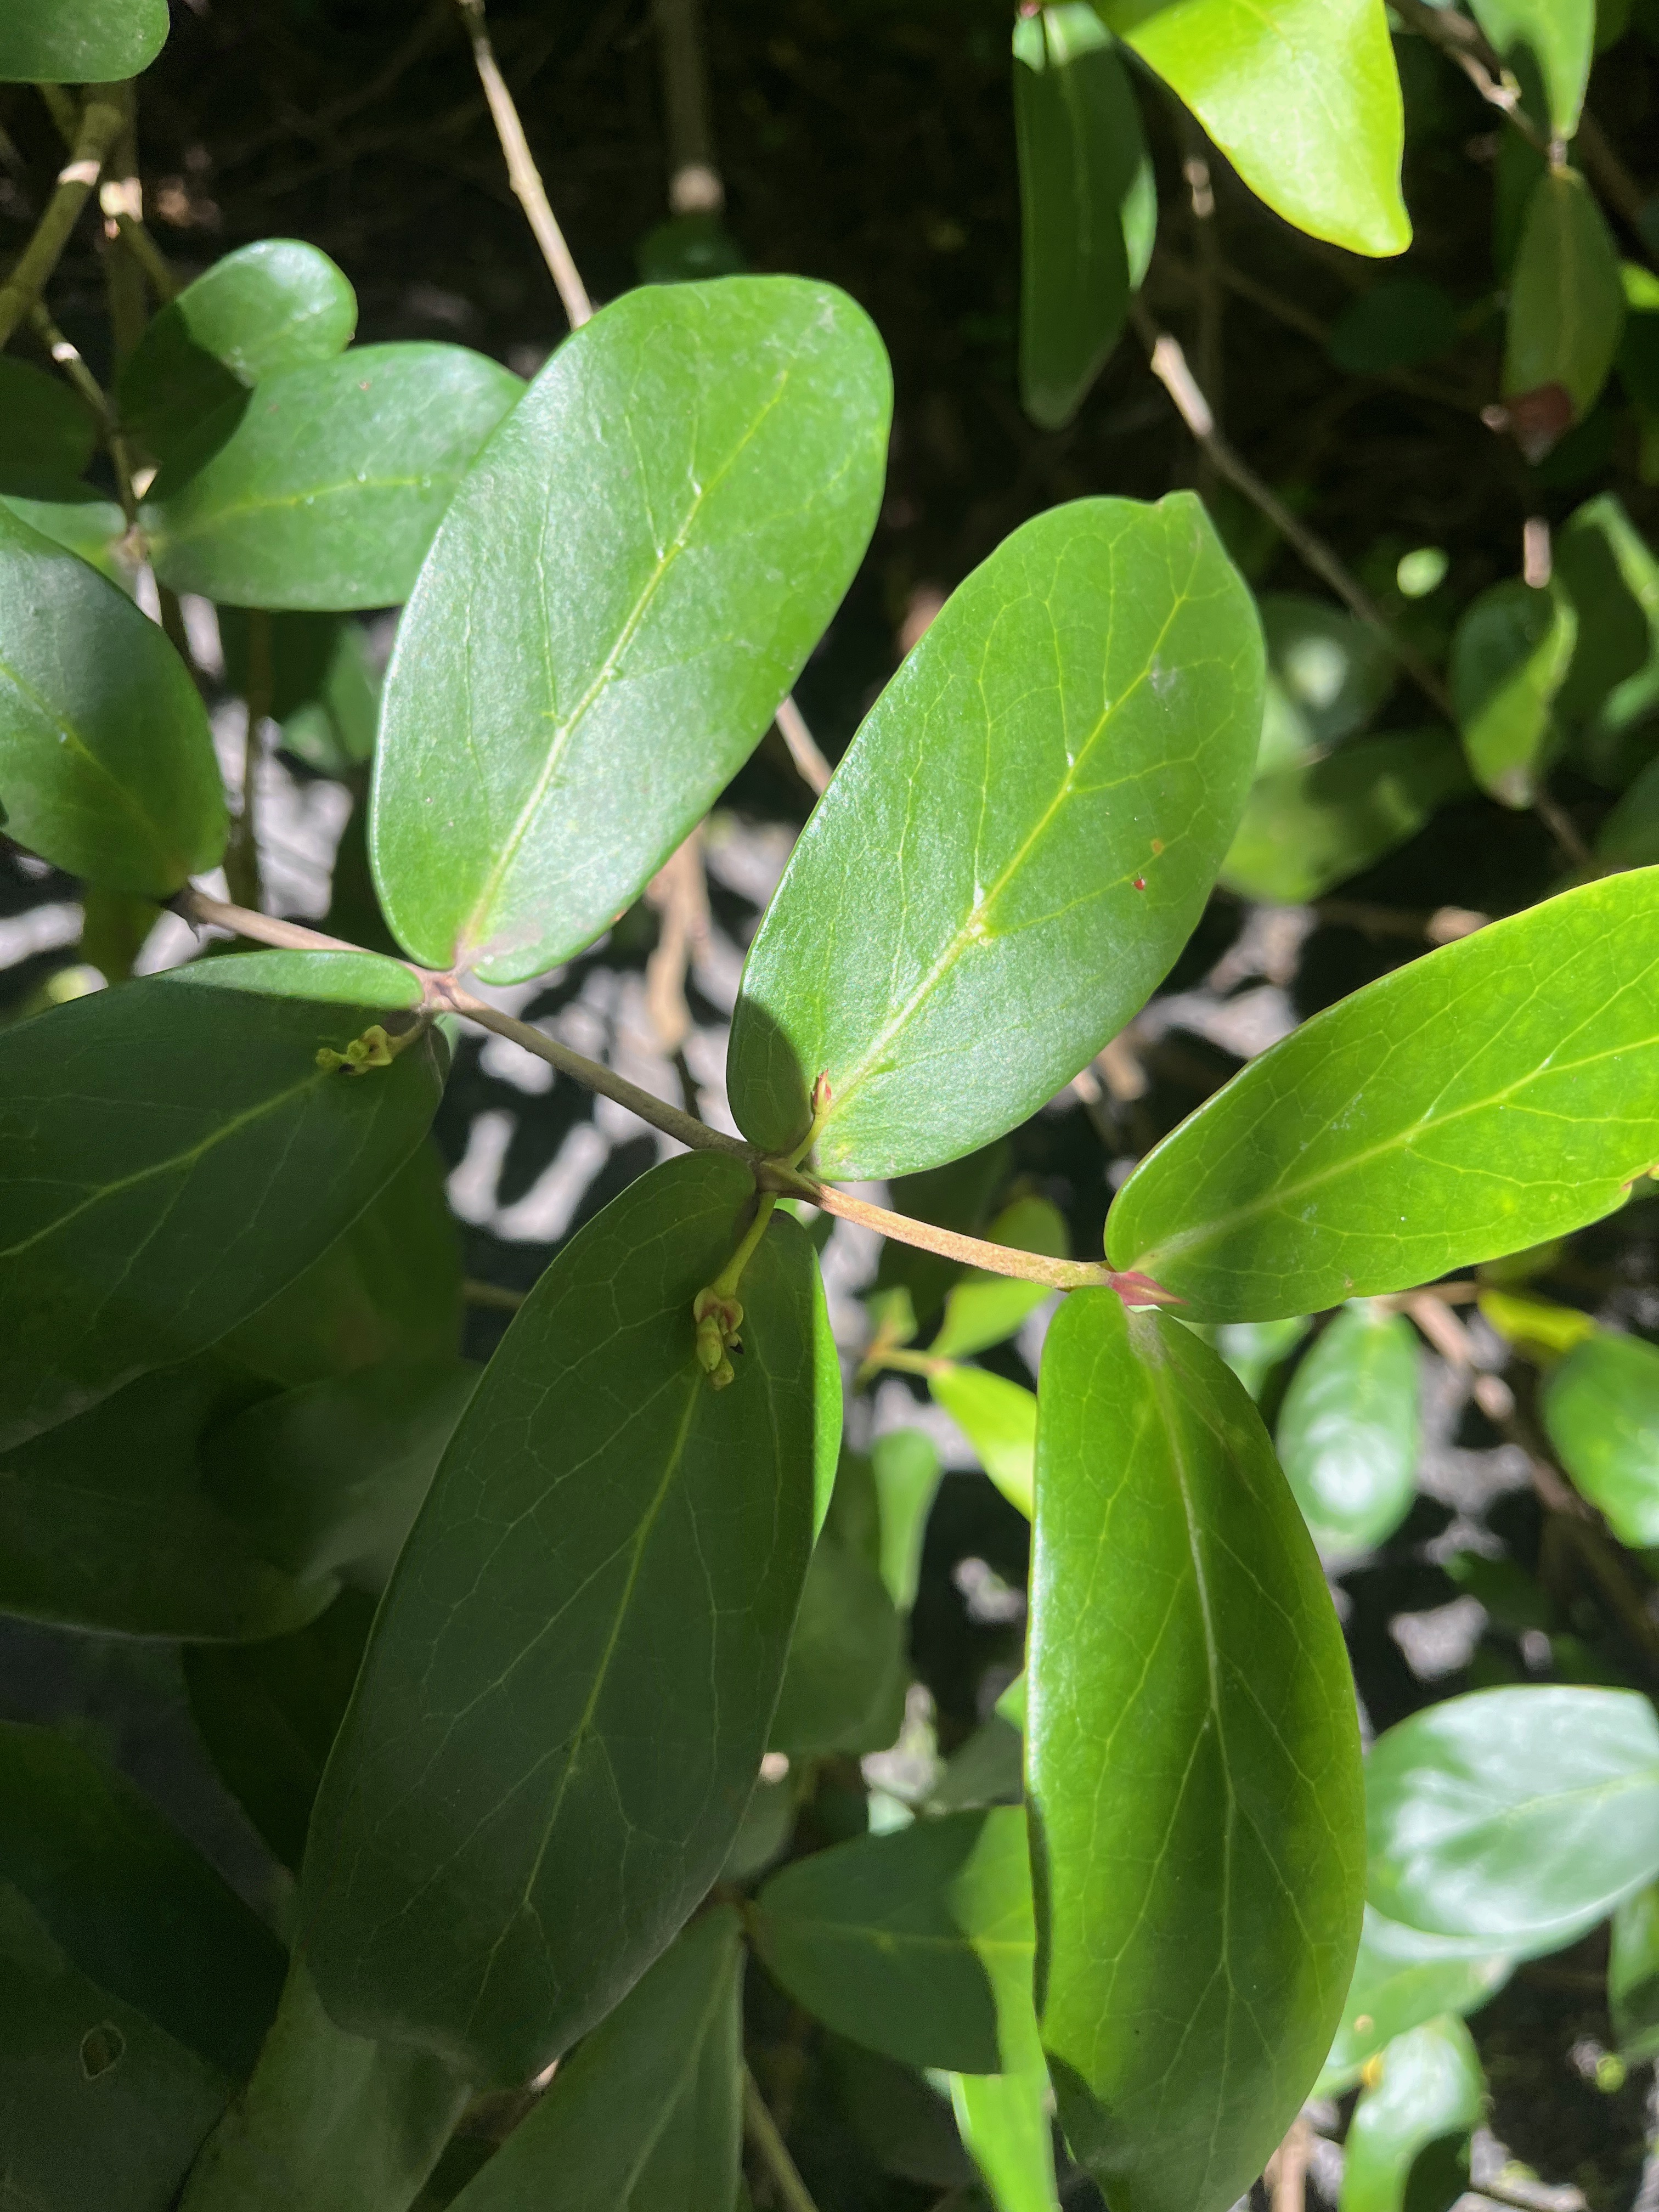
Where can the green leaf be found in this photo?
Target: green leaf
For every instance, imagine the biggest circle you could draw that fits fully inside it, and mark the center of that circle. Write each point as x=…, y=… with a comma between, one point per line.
x=1488, y=1097
x=93, y=529
x=329, y=2121
x=906, y=1467
x=918, y=1944
x=327, y=491
x=1301, y=95
x=1601, y=1407
x=1004, y=2121
x=80, y=41
x=647, y=2115
x=1611, y=695
x=1193, y=1761
x=567, y=1695
x=324, y=690
x=1000, y=1419
x=986, y=1308
x=1566, y=303
x=130, y=1904
x=1348, y=1431
x=958, y=1195
x=1399, y=324
x=1014, y=849
x=135, y=1127
x=1315, y=823
x=1402, y=1978
x=621, y=613
x=48, y=432
x=1509, y=657
x=276, y=305
x=1556, y=38
x=107, y=762
x=1331, y=673
x=847, y=1645
x=1253, y=1348
x=1633, y=1976
x=1429, y=2101
x=1522, y=1816
x=1088, y=204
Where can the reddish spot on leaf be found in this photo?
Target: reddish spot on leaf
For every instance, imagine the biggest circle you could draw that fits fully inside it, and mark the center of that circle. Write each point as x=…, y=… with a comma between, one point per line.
x=1157, y=845
x=1536, y=420
x=1141, y=882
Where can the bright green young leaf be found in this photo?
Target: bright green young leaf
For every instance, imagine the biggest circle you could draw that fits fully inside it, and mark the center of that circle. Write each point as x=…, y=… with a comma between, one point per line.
x=107, y=762
x=1348, y=1431
x=1193, y=1761
x=1509, y=657
x=328, y=2121
x=986, y=1308
x=847, y=1645
x=1301, y=95
x=958, y=1195
x=79, y=41
x=906, y=1467
x=1429, y=2101
x=48, y=432
x=1000, y=1419
x=1088, y=204
x=135, y=1124
x=1522, y=1816
x=918, y=1944
x=1611, y=696
x=327, y=491
x=1601, y=1407
x=606, y=625
x=1398, y=324
x=1311, y=824
x=647, y=2115
x=1402, y=1978
x=1540, y=1330
x=1566, y=303
x=1492, y=1095
x=272, y=305
x=1004, y=2119
x=567, y=1693
x=1556, y=38
x=1014, y=849
x=1633, y=1976
x=1331, y=673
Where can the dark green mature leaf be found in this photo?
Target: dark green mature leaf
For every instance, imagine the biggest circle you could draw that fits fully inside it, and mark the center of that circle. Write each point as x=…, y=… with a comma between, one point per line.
x=1489, y=1097
x=93, y=529
x=919, y=1943
x=1566, y=306
x=1348, y=1431
x=135, y=1127
x=905, y=1463
x=1509, y=657
x=79, y=41
x=1311, y=824
x=329, y=2121
x=1600, y=1407
x=276, y=305
x=647, y=2116
x=567, y=1695
x=1015, y=847
x=1000, y=1419
x=1522, y=1816
x=1004, y=2120
x=1402, y=1978
x=107, y=762
x=1556, y=38
x=849, y=1644
x=1633, y=1975
x=47, y=432
x=620, y=615
x=985, y=1309
x=1430, y=2099
x=1611, y=696
x=326, y=492
x=1193, y=1761
x=1301, y=95
x=1088, y=204
x=132, y=1904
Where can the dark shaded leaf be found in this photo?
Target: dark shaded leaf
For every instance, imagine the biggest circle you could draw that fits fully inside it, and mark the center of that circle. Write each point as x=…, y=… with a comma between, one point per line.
x=1600, y=1407
x=79, y=41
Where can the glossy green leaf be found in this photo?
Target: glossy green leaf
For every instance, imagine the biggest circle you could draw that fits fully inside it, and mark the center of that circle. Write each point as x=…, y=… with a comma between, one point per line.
x=906, y=1466
x=130, y=1904
x=1088, y=204
x=1522, y=1816
x=848, y=1641
x=986, y=1308
x=1611, y=696
x=79, y=41
x=1402, y=1978
x=1601, y=1407
x=1633, y=1975
x=368, y=979
x=1000, y=1419
x=107, y=762
x=1521, y=1096
x=1429, y=2101
x=1004, y=2119
x=276, y=305
x=1311, y=824
x=328, y=2121
x=327, y=491
x=1509, y=657
x=1015, y=847
x=1556, y=38
x=1566, y=301
x=647, y=2115
x=48, y=432
x=135, y=1124
x=1398, y=324
x=1301, y=95
x=1348, y=1431
x=554, y=1737
x=93, y=529
x=620, y=615
x=918, y=1944
x=1193, y=1761
x=1330, y=672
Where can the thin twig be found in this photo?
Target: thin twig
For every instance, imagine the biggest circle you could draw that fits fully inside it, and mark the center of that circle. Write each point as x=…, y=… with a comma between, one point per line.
x=67, y=355
x=1611, y=178
x=679, y=893
x=810, y=764
x=242, y=853
x=1200, y=194
x=771, y=2149
x=121, y=193
x=1286, y=2176
x=694, y=179
x=522, y=173
x=99, y=126
x=126, y=209
x=210, y=912
x=495, y=1297
x=1565, y=830
x=1460, y=38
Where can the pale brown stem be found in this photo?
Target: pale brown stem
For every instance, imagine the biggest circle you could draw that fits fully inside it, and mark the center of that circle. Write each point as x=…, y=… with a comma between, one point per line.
x=1461, y=40
x=1286, y=2176
x=811, y=766
x=99, y=127
x=679, y=892
x=261, y=929
x=694, y=176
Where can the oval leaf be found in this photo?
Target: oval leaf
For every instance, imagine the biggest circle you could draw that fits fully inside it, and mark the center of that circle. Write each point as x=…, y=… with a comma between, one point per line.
x=1402, y=1978
x=1193, y=1759
x=1003, y=2119
x=1310, y=825
x=48, y=432
x=1509, y=657
x=1601, y=1407
x=1348, y=1429
x=1428, y=2099
x=620, y=610
x=1000, y=1419
x=985, y=1309
x=1633, y=1976
x=568, y=1692
x=1520, y=1097
x=79, y=41
x=1566, y=311
x=847, y=1651
x=326, y=492
x=1014, y=849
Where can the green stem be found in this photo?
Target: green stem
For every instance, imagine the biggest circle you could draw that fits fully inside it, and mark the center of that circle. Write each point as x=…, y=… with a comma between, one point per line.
x=724, y=1285
x=102, y=119
x=771, y=2149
